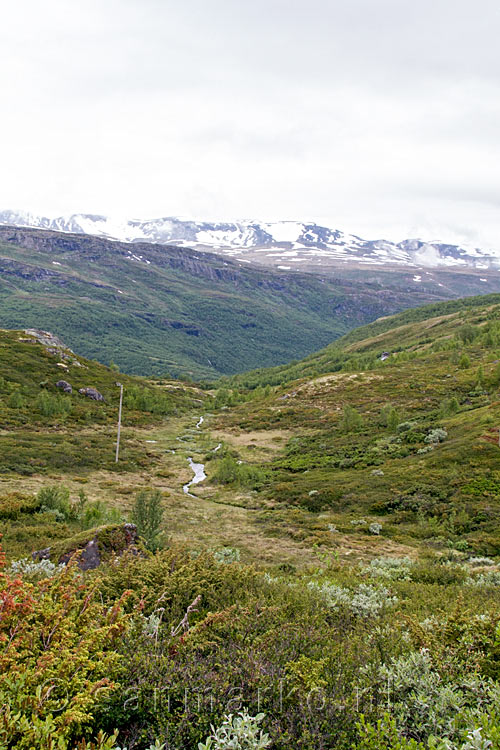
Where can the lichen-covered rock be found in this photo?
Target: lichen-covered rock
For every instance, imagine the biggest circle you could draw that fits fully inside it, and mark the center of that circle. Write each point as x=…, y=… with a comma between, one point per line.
x=65, y=386
x=94, y=547
x=47, y=339
x=91, y=393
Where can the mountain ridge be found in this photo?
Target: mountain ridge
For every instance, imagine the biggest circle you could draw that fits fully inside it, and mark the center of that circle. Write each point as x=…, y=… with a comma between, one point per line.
x=303, y=244
x=155, y=309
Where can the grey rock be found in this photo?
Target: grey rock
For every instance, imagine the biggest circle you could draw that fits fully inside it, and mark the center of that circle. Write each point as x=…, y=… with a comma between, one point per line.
x=65, y=386
x=47, y=339
x=41, y=554
x=106, y=541
x=92, y=393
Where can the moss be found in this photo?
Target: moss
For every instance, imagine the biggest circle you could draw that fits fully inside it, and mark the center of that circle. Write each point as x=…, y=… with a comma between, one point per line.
x=111, y=539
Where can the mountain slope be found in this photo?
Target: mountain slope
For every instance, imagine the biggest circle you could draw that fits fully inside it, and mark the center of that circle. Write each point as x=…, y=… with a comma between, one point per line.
x=155, y=309
x=387, y=335
x=287, y=244
x=396, y=424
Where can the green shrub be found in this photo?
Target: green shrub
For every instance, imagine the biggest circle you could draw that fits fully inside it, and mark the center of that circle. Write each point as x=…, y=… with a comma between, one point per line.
x=227, y=555
x=53, y=405
x=351, y=419
x=449, y=407
x=97, y=513
x=15, y=400
x=15, y=503
x=436, y=436
x=56, y=498
x=464, y=362
x=147, y=514
x=229, y=471
x=389, y=417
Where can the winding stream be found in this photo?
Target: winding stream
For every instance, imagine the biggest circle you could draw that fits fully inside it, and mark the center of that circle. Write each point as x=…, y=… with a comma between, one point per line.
x=199, y=476
x=199, y=469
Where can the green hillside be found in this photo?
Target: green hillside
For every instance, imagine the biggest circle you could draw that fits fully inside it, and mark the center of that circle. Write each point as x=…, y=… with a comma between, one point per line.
x=364, y=344
x=50, y=436
x=155, y=310
x=411, y=442
x=335, y=577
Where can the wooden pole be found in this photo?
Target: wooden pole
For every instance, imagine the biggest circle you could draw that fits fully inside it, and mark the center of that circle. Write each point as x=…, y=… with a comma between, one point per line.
x=119, y=423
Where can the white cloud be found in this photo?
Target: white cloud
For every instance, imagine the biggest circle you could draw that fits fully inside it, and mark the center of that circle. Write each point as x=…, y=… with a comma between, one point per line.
x=379, y=118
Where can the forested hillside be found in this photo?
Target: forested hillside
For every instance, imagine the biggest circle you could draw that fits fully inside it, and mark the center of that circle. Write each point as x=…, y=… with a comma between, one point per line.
x=157, y=310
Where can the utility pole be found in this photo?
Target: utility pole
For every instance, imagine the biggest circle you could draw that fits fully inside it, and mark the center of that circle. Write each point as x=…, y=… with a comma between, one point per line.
x=119, y=422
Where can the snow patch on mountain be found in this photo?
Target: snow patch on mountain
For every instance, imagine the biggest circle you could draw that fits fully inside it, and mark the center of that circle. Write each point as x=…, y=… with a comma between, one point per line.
x=265, y=242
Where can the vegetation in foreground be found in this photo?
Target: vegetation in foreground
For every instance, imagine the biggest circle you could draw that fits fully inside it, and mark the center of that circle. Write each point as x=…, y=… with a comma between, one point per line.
x=378, y=629
x=162, y=648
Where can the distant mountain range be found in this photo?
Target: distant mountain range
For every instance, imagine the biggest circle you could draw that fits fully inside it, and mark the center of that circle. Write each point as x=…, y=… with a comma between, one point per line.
x=287, y=245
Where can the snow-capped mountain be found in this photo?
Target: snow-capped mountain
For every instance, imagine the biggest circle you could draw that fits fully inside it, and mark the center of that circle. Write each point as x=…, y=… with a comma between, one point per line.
x=286, y=244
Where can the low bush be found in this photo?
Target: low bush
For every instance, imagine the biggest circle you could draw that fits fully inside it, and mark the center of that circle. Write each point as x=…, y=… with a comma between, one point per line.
x=15, y=503
x=230, y=471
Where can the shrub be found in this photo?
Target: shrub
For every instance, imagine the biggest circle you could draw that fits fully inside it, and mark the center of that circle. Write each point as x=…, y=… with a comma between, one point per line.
x=147, y=514
x=449, y=407
x=229, y=471
x=477, y=562
x=426, y=703
x=390, y=568
x=464, y=362
x=13, y=504
x=442, y=574
x=389, y=417
x=490, y=578
x=57, y=660
x=365, y=601
x=227, y=555
x=238, y=733
x=154, y=401
x=34, y=571
x=358, y=522
x=97, y=513
x=351, y=419
x=55, y=498
x=405, y=426
x=53, y=405
x=436, y=436
x=15, y=400
x=467, y=333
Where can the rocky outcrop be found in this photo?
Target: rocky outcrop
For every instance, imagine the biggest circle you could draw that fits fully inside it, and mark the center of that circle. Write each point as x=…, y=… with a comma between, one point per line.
x=64, y=386
x=47, y=339
x=92, y=393
x=91, y=548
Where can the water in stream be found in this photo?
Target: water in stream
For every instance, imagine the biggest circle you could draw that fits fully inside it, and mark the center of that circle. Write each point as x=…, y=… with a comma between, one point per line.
x=199, y=469
x=199, y=475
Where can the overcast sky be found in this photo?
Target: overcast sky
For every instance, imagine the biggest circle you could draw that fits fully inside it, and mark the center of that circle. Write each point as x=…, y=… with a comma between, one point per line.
x=379, y=117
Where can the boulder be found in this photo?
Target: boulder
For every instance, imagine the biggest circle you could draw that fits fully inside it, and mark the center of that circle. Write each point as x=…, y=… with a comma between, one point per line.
x=95, y=546
x=65, y=386
x=41, y=554
x=89, y=557
x=91, y=393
